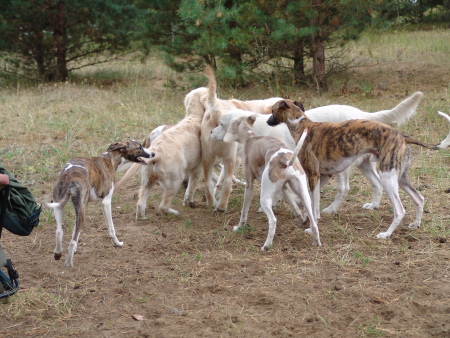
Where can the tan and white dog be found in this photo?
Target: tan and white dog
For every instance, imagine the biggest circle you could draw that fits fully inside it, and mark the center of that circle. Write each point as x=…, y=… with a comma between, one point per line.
x=332, y=113
x=329, y=148
x=213, y=150
x=84, y=179
x=176, y=157
x=269, y=161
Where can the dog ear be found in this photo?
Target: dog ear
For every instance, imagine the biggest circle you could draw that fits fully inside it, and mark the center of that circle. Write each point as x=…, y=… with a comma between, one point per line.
x=116, y=146
x=300, y=105
x=251, y=119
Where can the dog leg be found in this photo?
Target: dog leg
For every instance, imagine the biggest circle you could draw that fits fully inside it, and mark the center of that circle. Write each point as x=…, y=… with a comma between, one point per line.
x=342, y=190
x=367, y=167
x=228, y=168
x=389, y=182
x=192, y=186
x=268, y=192
x=300, y=187
x=416, y=197
x=248, y=193
x=209, y=186
x=147, y=184
x=106, y=204
x=170, y=190
x=80, y=213
x=292, y=202
x=59, y=231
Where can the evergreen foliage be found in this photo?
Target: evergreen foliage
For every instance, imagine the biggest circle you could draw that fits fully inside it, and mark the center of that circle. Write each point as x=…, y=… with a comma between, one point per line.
x=46, y=39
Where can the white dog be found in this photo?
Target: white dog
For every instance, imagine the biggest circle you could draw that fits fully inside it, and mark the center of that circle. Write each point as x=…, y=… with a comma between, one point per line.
x=400, y=114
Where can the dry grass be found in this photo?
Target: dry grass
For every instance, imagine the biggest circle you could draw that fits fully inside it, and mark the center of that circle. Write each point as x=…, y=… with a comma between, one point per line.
x=189, y=274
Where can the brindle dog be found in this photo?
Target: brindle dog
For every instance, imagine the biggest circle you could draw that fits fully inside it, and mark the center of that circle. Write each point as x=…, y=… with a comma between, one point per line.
x=330, y=148
x=84, y=179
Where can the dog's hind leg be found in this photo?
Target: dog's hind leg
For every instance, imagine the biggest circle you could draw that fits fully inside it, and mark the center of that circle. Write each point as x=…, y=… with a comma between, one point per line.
x=269, y=190
x=80, y=206
x=147, y=184
x=209, y=186
x=367, y=167
x=389, y=182
x=192, y=186
x=248, y=193
x=227, y=186
x=416, y=197
x=106, y=204
x=59, y=231
x=300, y=187
x=170, y=188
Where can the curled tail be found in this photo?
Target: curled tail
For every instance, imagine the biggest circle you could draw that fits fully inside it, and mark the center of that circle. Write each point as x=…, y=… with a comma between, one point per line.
x=443, y=145
x=402, y=112
x=297, y=148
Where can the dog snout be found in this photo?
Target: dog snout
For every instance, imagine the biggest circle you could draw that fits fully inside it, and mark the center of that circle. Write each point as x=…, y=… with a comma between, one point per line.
x=271, y=121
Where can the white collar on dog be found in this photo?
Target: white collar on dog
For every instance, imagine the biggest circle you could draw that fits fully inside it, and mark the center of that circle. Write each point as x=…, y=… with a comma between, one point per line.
x=70, y=165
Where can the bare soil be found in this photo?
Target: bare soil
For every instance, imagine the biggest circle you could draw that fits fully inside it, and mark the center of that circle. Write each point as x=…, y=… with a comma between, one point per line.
x=190, y=275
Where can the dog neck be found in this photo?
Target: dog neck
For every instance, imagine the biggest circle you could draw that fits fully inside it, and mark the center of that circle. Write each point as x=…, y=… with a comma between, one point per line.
x=297, y=126
x=114, y=157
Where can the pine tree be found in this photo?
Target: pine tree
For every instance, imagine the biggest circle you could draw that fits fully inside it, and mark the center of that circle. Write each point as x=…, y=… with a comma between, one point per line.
x=46, y=39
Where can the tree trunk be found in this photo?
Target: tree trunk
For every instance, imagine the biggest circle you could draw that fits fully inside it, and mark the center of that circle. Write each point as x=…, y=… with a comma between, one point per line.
x=59, y=35
x=318, y=49
x=299, y=64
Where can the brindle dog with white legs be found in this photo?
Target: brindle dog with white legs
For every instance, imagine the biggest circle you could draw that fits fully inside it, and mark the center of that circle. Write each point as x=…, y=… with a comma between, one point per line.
x=330, y=148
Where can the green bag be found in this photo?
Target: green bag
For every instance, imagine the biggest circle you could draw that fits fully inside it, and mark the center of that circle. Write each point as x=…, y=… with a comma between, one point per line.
x=19, y=212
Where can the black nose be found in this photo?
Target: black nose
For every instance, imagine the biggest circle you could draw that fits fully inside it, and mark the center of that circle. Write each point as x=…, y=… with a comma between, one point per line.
x=271, y=121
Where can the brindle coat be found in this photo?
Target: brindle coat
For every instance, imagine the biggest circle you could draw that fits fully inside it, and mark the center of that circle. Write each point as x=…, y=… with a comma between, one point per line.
x=84, y=179
x=330, y=148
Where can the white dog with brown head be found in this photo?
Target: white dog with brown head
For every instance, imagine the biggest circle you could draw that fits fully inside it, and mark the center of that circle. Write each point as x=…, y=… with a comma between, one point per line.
x=268, y=160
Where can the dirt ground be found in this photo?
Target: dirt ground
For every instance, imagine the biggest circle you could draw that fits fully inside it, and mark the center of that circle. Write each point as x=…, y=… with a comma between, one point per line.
x=190, y=275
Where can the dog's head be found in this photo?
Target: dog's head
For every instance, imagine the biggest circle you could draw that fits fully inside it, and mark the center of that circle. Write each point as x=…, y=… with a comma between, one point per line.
x=285, y=110
x=130, y=150
x=239, y=128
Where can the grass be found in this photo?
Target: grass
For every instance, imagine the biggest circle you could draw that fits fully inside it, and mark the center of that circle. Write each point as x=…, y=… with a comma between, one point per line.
x=45, y=125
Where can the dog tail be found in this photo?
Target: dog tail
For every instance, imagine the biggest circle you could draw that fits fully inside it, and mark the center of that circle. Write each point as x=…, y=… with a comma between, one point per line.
x=211, y=101
x=297, y=148
x=402, y=112
x=443, y=145
x=131, y=172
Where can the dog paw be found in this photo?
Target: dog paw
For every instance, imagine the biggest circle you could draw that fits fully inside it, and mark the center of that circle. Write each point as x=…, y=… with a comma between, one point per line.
x=383, y=235
x=414, y=225
x=370, y=206
x=316, y=242
x=219, y=210
x=329, y=210
x=236, y=228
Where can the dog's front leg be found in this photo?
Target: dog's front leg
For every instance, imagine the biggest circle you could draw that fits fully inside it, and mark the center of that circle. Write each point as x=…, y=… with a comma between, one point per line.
x=106, y=204
x=248, y=193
